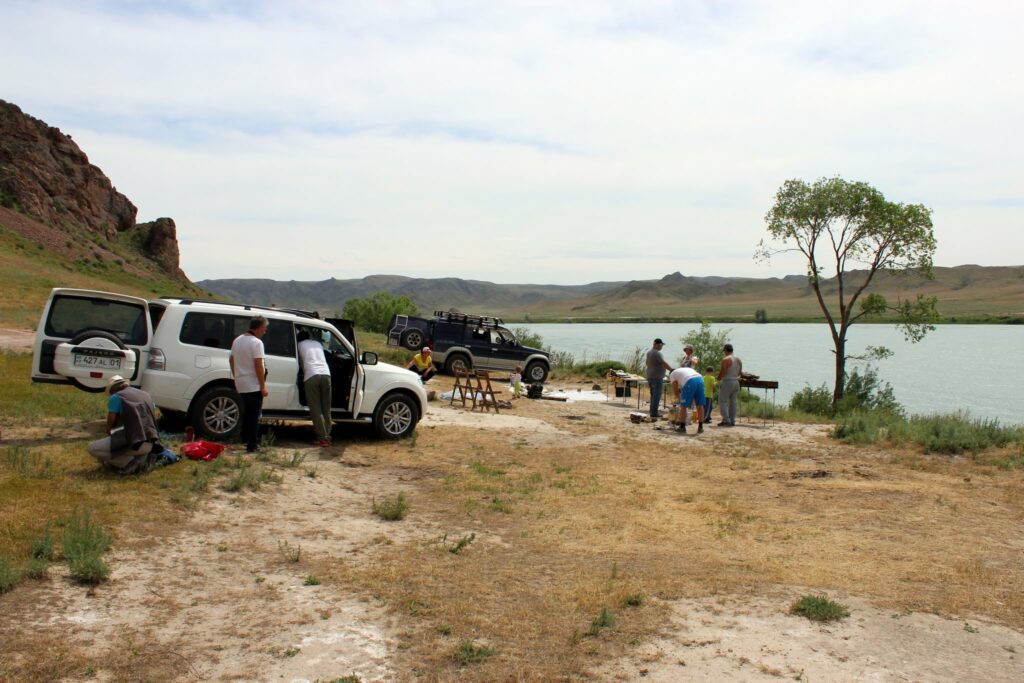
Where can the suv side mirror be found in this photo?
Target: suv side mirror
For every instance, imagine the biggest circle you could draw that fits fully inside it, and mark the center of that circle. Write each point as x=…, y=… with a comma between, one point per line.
x=368, y=358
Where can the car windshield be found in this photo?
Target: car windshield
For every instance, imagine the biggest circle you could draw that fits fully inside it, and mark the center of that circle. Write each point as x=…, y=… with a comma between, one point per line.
x=70, y=315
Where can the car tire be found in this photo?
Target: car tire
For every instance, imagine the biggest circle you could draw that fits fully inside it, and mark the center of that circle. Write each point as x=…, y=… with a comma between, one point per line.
x=395, y=416
x=536, y=372
x=216, y=413
x=457, y=362
x=85, y=336
x=412, y=340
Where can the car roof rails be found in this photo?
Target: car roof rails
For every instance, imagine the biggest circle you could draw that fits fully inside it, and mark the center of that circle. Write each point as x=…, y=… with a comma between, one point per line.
x=248, y=307
x=468, y=319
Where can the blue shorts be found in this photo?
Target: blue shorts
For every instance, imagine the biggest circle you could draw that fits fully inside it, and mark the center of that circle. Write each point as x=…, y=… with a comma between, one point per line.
x=693, y=393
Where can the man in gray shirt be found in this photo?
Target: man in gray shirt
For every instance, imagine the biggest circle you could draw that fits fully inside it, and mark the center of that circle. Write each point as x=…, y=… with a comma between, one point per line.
x=656, y=367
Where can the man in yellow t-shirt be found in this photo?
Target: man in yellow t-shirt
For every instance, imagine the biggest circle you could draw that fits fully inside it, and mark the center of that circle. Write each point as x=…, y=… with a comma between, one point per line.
x=710, y=385
x=422, y=364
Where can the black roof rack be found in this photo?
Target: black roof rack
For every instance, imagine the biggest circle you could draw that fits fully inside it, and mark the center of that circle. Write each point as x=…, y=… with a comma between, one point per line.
x=248, y=307
x=468, y=319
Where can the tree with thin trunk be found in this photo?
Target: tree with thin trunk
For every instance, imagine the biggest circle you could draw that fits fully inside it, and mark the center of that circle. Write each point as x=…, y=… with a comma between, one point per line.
x=849, y=233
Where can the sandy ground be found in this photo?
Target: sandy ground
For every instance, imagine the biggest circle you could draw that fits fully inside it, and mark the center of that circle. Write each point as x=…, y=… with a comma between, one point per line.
x=224, y=597
x=16, y=340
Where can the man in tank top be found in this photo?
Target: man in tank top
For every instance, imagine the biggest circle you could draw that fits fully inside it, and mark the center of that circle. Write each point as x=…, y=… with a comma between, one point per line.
x=729, y=387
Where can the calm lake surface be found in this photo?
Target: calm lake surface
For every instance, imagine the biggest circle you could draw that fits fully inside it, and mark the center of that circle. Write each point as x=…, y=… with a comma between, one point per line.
x=978, y=368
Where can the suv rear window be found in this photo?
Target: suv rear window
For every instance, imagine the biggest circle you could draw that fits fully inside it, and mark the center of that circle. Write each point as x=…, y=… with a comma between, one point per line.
x=218, y=331
x=70, y=315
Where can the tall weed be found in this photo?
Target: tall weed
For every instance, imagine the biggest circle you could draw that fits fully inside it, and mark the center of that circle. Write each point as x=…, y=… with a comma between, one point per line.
x=84, y=543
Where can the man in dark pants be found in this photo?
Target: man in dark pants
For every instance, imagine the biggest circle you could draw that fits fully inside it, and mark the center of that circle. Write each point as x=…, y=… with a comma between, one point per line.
x=248, y=367
x=656, y=367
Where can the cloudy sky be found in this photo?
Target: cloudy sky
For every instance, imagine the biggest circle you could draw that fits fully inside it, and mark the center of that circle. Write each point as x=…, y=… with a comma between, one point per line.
x=554, y=142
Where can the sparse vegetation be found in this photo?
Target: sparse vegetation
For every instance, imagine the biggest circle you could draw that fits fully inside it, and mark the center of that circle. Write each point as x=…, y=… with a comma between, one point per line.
x=955, y=433
x=9, y=574
x=471, y=653
x=606, y=619
x=289, y=553
x=391, y=509
x=819, y=608
x=84, y=544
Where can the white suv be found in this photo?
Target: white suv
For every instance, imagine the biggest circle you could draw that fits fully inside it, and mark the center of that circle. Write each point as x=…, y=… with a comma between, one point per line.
x=177, y=350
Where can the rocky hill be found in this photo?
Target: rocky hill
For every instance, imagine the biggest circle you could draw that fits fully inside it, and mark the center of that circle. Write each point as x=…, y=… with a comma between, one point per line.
x=63, y=223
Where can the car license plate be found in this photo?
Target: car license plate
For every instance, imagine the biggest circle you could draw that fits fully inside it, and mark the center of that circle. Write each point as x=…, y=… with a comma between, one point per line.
x=85, y=360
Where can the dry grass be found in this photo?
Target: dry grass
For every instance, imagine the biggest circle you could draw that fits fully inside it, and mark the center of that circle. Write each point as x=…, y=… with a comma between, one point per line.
x=566, y=524
x=591, y=526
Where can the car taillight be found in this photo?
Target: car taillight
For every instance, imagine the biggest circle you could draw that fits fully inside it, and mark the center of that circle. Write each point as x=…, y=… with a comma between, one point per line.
x=156, y=360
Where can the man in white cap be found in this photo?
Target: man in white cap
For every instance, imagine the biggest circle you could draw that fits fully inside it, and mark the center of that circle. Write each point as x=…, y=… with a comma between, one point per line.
x=422, y=364
x=131, y=429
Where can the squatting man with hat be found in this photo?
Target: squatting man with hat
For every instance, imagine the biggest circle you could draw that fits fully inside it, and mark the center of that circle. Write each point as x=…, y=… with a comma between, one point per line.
x=131, y=429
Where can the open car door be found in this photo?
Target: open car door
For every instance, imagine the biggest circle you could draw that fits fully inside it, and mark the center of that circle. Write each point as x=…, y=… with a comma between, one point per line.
x=355, y=389
x=86, y=337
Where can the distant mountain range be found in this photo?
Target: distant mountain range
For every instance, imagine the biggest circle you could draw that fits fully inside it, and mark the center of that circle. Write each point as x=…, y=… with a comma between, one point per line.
x=966, y=293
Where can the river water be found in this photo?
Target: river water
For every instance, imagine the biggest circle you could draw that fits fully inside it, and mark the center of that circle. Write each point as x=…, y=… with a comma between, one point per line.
x=977, y=368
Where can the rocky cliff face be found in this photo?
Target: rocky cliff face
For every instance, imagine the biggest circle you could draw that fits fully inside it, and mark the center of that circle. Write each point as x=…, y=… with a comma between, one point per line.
x=45, y=175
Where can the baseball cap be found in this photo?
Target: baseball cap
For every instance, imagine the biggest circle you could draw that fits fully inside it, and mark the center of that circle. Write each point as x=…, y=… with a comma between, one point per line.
x=658, y=341
x=426, y=349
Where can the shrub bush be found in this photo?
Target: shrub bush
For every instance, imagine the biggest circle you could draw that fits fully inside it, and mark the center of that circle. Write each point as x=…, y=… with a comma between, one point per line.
x=955, y=433
x=819, y=608
x=84, y=544
x=812, y=400
x=391, y=509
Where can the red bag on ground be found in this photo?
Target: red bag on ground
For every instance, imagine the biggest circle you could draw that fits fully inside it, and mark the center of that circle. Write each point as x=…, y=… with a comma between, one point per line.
x=202, y=450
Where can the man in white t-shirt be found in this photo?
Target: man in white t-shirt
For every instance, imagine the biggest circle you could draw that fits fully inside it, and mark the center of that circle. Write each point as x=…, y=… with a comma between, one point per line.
x=248, y=367
x=688, y=388
x=316, y=378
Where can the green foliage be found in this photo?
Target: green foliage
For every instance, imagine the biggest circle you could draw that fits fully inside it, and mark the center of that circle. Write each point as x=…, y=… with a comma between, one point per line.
x=819, y=608
x=813, y=401
x=391, y=509
x=459, y=545
x=707, y=345
x=84, y=543
x=374, y=312
x=9, y=574
x=42, y=547
x=600, y=368
x=859, y=233
x=761, y=315
x=527, y=338
x=863, y=390
x=470, y=653
x=606, y=619
x=311, y=581
x=952, y=434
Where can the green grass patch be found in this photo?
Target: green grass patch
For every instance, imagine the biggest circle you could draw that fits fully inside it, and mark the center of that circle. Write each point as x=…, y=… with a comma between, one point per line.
x=819, y=608
x=10, y=575
x=955, y=433
x=485, y=470
x=391, y=509
x=605, y=619
x=471, y=653
x=84, y=543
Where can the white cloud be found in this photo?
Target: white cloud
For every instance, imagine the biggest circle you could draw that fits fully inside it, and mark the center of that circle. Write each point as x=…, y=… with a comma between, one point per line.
x=540, y=141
